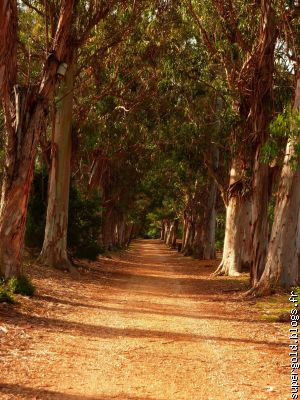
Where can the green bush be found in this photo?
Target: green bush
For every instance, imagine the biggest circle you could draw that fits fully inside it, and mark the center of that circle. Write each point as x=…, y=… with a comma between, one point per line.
x=84, y=219
x=84, y=224
x=21, y=285
x=297, y=291
x=6, y=296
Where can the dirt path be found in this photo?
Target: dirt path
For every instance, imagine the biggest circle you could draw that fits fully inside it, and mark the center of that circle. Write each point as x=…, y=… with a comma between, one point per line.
x=147, y=325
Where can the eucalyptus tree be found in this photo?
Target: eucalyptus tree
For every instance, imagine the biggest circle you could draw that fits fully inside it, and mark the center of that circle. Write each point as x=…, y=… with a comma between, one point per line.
x=104, y=17
x=283, y=258
x=241, y=38
x=26, y=100
x=25, y=107
x=117, y=115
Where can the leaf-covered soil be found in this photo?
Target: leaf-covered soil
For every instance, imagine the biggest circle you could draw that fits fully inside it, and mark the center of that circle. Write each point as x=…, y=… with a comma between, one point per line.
x=147, y=324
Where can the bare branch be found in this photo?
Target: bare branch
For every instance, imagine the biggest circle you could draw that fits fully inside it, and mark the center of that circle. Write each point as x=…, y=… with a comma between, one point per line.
x=29, y=5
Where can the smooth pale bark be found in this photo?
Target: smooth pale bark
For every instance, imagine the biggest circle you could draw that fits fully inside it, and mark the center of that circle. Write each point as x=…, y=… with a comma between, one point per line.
x=237, y=232
x=30, y=107
x=283, y=258
x=237, y=226
x=54, y=251
x=167, y=231
x=187, y=248
x=172, y=234
x=175, y=234
x=184, y=231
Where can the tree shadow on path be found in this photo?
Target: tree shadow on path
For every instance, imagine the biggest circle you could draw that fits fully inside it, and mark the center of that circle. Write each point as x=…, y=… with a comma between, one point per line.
x=36, y=393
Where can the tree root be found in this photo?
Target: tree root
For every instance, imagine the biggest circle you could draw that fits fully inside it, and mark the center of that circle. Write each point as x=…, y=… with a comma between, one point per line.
x=258, y=290
x=63, y=265
x=219, y=271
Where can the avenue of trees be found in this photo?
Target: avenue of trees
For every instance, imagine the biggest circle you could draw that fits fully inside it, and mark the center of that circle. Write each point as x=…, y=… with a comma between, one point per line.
x=170, y=119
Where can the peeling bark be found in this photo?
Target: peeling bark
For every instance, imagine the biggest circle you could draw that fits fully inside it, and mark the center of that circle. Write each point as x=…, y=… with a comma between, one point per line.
x=54, y=251
x=259, y=229
x=30, y=107
x=283, y=257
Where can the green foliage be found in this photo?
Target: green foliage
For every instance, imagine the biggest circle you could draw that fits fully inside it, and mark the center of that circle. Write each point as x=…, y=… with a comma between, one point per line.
x=153, y=224
x=21, y=285
x=6, y=296
x=84, y=224
x=151, y=105
x=285, y=126
x=297, y=292
x=271, y=210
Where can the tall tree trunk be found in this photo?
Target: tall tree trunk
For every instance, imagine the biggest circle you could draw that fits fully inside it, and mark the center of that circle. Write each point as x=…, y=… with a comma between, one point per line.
x=208, y=233
x=205, y=228
x=167, y=231
x=23, y=132
x=184, y=231
x=259, y=233
x=129, y=233
x=260, y=115
x=238, y=224
x=283, y=258
x=162, y=231
x=54, y=251
x=189, y=238
x=237, y=230
x=197, y=245
x=17, y=183
x=175, y=233
x=122, y=228
x=170, y=234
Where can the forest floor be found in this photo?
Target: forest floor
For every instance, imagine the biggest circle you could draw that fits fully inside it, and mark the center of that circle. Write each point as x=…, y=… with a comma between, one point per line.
x=146, y=324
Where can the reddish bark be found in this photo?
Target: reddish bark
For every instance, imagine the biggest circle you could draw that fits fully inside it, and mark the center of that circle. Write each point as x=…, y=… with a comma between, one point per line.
x=23, y=133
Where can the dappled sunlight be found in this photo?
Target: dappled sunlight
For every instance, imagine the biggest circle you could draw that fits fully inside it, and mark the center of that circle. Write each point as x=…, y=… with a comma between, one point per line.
x=110, y=333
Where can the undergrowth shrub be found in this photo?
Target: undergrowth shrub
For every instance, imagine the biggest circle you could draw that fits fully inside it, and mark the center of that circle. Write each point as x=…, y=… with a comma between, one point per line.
x=6, y=296
x=21, y=285
x=84, y=224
